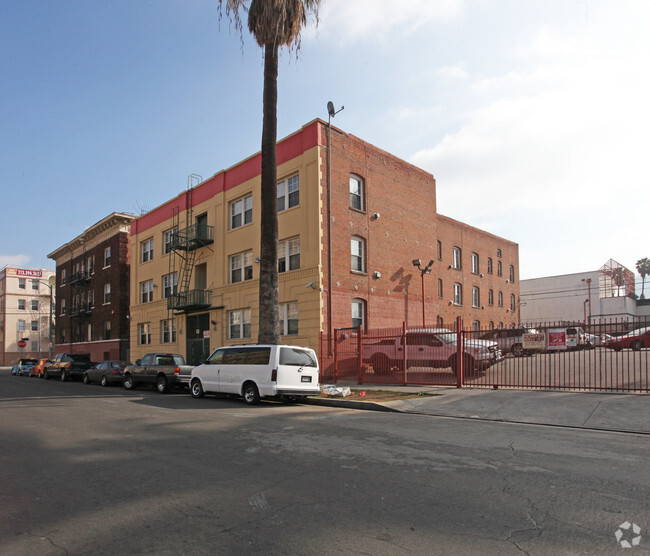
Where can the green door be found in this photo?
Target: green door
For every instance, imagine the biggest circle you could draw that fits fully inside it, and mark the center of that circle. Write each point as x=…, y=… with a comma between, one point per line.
x=198, y=346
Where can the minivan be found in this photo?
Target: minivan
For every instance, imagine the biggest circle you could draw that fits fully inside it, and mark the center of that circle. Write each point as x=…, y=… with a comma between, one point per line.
x=256, y=371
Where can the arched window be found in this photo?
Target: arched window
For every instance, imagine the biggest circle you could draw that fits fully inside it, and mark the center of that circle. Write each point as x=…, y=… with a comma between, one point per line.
x=458, y=294
x=357, y=197
x=357, y=254
x=457, y=258
x=359, y=313
x=512, y=273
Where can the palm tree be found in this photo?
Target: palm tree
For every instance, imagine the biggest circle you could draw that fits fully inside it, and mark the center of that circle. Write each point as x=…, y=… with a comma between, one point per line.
x=643, y=267
x=273, y=23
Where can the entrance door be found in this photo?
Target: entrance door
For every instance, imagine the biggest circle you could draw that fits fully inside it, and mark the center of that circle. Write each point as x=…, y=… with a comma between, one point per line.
x=198, y=346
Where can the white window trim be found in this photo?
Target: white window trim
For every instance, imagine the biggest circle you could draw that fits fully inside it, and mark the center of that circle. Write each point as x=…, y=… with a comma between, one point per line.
x=289, y=312
x=355, y=179
x=244, y=318
x=358, y=256
x=240, y=262
x=241, y=211
x=285, y=253
x=285, y=188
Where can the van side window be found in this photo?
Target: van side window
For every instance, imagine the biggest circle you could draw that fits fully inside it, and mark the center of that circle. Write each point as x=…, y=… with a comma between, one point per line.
x=216, y=357
x=297, y=357
x=247, y=356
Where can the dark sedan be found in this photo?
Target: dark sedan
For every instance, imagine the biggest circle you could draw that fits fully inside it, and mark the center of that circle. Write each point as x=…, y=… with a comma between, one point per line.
x=636, y=340
x=106, y=372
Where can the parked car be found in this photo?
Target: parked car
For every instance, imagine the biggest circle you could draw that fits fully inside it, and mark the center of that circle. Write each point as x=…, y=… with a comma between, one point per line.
x=67, y=366
x=430, y=347
x=23, y=367
x=258, y=371
x=636, y=340
x=163, y=370
x=39, y=369
x=106, y=372
x=509, y=340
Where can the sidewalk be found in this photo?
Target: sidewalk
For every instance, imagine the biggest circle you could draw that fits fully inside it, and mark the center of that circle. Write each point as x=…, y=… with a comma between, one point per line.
x=588, y=410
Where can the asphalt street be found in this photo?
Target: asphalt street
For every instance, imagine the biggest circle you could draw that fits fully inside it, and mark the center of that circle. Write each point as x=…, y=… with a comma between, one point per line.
x=92, y=470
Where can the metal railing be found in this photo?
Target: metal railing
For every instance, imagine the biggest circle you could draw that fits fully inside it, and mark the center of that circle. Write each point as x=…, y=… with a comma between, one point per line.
x=191, y=299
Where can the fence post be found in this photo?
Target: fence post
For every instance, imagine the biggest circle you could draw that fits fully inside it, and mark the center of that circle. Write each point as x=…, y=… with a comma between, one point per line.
x=359, y=355
x=460, y=353
x=336, y=358
x=404, y=358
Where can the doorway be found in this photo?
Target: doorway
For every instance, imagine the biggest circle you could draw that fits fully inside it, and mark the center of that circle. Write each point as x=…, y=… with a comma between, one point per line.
x=198, y=344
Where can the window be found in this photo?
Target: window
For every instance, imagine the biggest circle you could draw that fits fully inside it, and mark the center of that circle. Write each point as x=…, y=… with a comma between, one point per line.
x=476, y=297
x=169, y=240
x=21, y=304
x=35, y=285
x=499, y=269
x=491, y=297
x=33, y=346
x=475, y=263
x=241, y=267
x=63, y=306
x=62, y=336
x=491, y=325
x=91, y=299
x=146, y=250
x=91, y=265
x=63, y=277
x=440, y=288
x=34, y=304
x=498, y=252
x=359, y=313
x=241, y=212
x=34, y=325
x=439, y=250
x=288, y=193
x=20, y=325
x=107, y=257
x=21, y=283
x=356, y=193
x=456, y=260
x=146, y=291
x=170, y=284
x=489, y=265
x=513, y=303
x=167, y=331
x=89, y=332
x=289, y=254
x=476, y=325
x=107, y=330
x=239, y=323
x=512, y=273
x=458, y=294
x=500, y=299
x=107, y=293
x=357, y=249
x=289, y=318
x=144, y=333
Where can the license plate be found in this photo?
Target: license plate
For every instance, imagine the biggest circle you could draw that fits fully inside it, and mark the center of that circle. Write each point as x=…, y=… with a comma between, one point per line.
x=305, y=379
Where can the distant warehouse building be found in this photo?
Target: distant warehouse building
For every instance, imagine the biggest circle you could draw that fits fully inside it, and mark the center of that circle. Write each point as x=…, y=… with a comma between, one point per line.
x=351, y=227
x=92, y=277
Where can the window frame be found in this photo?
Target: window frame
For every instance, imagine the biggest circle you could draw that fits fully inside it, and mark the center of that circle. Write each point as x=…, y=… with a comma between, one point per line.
x=107, y=257
x=242, y=212
x=107, y=293
x=458, y=294
x=168, y=240
x=360, y=194
x=170, y=284
x=238, y=263
x=360, y=257
x=286, y=256
x=144, y=333
x=357, y=319
x=456, y=258
x=146, y=291
x=146, y=250
x=475, y=263
x=289, y=198
x=476, y=296
x=289, y=315
x=244, y=324
x=167, y=331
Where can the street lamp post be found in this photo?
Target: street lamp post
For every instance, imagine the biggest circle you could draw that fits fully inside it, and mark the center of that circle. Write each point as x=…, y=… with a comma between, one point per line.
x=50, y=327
x=426, y=270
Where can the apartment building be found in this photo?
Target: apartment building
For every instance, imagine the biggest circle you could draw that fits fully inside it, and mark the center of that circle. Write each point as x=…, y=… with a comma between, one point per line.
x=352, y=221
x=92, y=277
x=26, y=325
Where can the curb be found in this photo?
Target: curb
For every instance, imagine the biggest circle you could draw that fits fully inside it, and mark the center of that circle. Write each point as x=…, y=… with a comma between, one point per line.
x=367, y=406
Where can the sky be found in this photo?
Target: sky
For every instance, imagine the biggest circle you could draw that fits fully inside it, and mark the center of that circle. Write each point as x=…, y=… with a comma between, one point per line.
x=532, y=115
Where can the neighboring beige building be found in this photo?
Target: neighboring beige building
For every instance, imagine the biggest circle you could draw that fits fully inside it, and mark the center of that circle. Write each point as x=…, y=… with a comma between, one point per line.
x=25, y=316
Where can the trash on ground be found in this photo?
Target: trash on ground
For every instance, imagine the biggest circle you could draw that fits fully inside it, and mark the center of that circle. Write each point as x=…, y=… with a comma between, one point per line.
x=339, y=391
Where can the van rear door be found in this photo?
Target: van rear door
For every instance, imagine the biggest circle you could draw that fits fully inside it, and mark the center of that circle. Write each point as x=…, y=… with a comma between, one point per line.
x=297, y=371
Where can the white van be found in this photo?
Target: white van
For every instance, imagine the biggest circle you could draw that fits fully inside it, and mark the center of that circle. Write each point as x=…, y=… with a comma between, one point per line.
x=258, y=371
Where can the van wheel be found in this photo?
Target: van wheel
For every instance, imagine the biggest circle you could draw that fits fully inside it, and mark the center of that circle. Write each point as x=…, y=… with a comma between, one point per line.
x=250, y=394
x=196, y=389
x=638, y=345
x=468, y=363
x=161, y=384
x=85, y=379
x=128, y=382
x=517, y=350
x=290, y=399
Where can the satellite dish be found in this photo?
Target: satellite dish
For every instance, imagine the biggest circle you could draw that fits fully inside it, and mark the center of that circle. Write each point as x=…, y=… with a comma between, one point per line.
x=330, y=109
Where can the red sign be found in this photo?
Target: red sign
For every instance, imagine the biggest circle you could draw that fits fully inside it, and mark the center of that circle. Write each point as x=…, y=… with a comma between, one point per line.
x=22, y=343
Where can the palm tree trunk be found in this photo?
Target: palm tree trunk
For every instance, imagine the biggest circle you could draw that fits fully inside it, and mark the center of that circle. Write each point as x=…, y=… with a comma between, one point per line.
x=269, y=324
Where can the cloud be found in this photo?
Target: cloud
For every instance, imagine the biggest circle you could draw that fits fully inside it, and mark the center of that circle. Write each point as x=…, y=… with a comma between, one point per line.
x=347, y=22
x=14, y=260
x=567, y=137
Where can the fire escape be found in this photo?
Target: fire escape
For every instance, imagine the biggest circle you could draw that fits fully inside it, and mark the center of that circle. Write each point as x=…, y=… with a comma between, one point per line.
x=184, y=245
